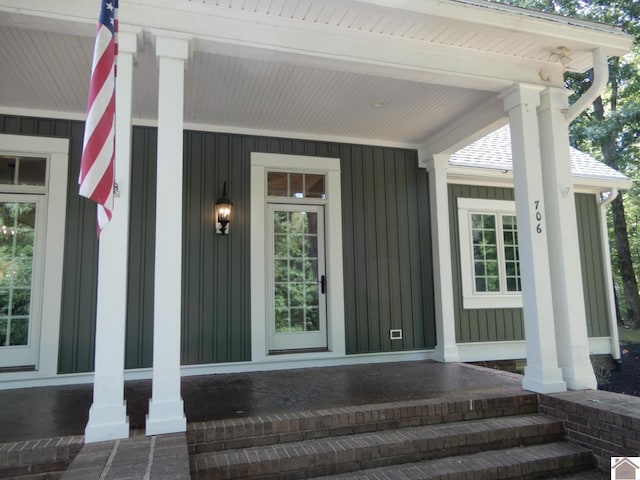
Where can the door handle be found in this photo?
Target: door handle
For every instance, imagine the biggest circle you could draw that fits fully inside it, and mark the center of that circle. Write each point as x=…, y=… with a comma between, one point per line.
x=323, y=284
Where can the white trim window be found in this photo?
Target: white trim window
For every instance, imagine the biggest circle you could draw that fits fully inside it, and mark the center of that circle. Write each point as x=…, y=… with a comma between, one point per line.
x=33, y=189
x=489, y=257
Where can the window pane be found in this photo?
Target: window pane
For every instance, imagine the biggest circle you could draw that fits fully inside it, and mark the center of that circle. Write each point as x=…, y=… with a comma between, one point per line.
x=296, y=289
x=277, y=184
x=7, y=170
x=512, y=263
x=282, y=319
x=281, y=268
x=312, y=322
x=18, y=331
x=20, y=302
x=32, y=171
x=295, y=185
x=485, y=253
x=3, y=332
x=314, y=186
x=297, y=320
x=16, y=264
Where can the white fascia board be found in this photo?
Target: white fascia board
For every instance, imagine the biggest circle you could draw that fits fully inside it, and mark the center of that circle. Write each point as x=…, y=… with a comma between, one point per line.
x=492, y=177
x=564, y=30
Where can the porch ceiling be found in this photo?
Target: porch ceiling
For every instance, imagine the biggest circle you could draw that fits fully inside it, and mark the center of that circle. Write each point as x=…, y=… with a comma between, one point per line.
x=364, y=71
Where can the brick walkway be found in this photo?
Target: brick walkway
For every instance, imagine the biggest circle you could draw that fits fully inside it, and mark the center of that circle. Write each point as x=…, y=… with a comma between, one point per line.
x=139, y=458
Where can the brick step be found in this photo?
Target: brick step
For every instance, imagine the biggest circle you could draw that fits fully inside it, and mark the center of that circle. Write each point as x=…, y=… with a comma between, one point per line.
x=333, y=455
x=532, y=462
x=293, y=427
x=38, y=459
x=590, y=475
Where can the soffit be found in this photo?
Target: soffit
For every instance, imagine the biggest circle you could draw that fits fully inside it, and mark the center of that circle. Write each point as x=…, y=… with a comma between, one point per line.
x=304, y=67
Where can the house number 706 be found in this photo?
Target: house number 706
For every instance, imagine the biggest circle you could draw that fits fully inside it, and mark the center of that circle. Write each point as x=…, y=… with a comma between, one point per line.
x=538, y=216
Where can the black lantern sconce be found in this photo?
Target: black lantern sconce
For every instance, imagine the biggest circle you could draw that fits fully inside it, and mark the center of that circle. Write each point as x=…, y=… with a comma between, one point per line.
x=223, y=212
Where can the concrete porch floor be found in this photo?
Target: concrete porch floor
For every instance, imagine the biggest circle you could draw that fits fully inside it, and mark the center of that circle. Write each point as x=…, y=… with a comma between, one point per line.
x=43, y=412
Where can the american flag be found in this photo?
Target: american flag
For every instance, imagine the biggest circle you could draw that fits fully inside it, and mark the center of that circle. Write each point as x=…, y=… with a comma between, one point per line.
x=96, y=168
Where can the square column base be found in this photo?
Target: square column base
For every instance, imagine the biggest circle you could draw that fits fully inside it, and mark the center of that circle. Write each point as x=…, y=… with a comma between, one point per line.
x=166, y=417
x=543, y=381
x=580, y=378
x=447, y=354
x=109, y=422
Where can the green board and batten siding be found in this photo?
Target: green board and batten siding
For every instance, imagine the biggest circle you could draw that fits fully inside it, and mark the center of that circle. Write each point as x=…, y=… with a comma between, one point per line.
x=490, y=325
x=592, y=259
x=388, y=279
x=386, y=238
x=77, y=327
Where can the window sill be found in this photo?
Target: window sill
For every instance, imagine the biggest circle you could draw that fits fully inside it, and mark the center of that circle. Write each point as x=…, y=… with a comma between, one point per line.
x=491, y=302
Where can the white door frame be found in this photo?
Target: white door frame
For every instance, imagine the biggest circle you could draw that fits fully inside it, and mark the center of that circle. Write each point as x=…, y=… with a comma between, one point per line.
x=261, y=163
x=57, y=151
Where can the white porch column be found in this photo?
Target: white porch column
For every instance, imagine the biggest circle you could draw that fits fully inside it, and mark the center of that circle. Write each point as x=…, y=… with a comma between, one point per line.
x=446, y=348
x=166, y=410
x=108, y=415
x=542, y=373
x=562, y=234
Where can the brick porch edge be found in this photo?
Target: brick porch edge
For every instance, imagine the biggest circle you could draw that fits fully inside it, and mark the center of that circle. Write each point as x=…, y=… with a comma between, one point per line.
x=606, y=423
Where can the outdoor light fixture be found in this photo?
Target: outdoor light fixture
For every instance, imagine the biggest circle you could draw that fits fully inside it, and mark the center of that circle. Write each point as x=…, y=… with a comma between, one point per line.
x=223, y=212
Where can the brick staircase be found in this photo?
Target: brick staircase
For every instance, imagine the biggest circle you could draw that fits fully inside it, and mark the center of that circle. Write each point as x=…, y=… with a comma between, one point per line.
x=482, y=437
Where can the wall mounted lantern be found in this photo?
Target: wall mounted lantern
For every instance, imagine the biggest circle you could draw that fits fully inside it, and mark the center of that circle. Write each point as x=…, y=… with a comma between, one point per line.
x=223, y=212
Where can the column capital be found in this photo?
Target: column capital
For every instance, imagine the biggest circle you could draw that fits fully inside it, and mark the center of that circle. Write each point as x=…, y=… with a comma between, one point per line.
x=130, y=39
x=554, y=98
x=521, y=94
x=439, y=161
x=172, y=44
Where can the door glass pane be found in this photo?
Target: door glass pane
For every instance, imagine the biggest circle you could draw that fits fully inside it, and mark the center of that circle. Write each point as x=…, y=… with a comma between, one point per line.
x=17, y=234
x=296, y=299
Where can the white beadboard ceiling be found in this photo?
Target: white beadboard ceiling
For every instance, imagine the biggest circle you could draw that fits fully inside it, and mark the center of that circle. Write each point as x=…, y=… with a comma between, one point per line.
x=317, y=88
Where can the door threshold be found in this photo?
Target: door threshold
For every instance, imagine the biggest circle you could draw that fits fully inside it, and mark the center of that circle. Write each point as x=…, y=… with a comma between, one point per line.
x=298, y=350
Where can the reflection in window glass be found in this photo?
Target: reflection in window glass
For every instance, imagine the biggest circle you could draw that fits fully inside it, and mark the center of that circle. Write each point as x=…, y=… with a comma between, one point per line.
x=17, y=228
x=7, y=170
x=23, y=170
x=314, y=186
x=485, y=253
x=277, y=184
x=32, y=171
x=296, y=185
x=296, y=272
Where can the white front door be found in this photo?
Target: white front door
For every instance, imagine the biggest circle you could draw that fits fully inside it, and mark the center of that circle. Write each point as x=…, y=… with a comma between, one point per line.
x=297, y=283
x=20, y=279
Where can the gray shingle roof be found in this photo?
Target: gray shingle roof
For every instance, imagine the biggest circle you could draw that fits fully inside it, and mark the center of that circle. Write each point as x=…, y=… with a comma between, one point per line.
x=494, y=152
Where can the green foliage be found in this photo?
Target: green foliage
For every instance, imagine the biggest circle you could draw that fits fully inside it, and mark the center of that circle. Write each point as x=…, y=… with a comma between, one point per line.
x=17, y=222
x=610, y=130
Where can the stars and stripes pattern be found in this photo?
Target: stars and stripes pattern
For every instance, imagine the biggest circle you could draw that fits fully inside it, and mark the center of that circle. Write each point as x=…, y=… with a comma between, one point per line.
x=97, y=166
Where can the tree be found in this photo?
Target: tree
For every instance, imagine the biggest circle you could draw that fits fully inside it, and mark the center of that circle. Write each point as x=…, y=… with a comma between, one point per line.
x=610, y=129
